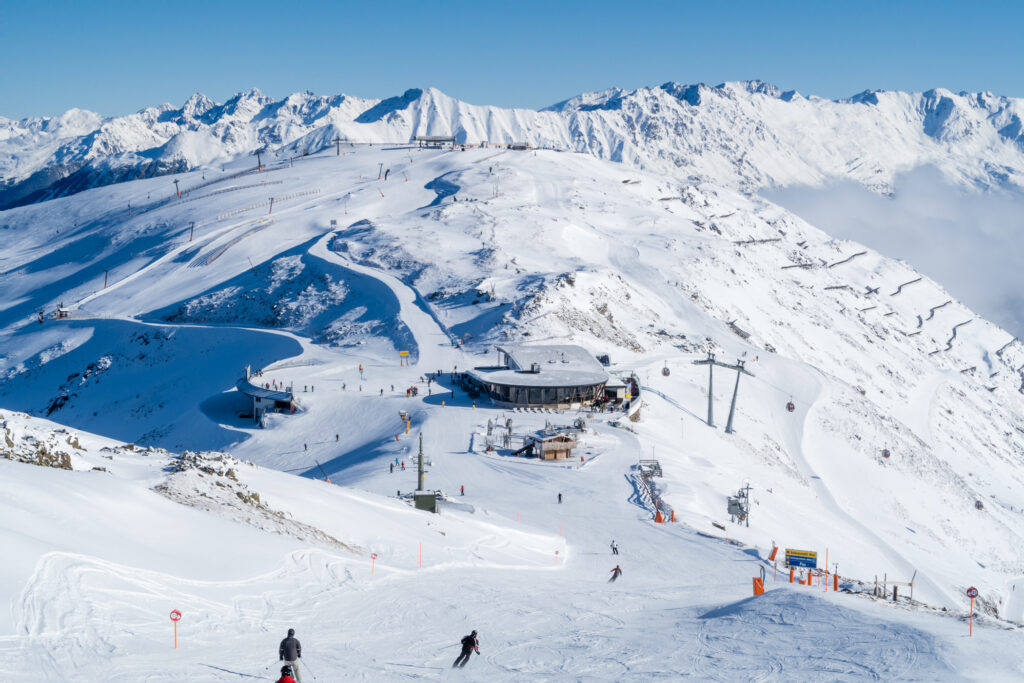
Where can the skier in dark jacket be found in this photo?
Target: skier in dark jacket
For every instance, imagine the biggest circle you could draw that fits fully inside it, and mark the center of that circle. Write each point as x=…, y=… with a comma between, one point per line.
x=290, y=651
x=469, y=644
x=616, y=573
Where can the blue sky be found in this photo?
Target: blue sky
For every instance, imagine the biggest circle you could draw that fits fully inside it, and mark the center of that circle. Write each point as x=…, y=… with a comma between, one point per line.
x=116, y=57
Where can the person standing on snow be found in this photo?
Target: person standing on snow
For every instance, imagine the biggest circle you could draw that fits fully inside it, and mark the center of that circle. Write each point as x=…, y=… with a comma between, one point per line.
x=615, y=548
x=559, y=498
x=469, y=644
x=290, y=651
x=286, y=675
x=616, y=573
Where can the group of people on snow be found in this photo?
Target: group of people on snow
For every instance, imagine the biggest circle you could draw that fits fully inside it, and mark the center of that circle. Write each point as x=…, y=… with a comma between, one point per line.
x=290, y=650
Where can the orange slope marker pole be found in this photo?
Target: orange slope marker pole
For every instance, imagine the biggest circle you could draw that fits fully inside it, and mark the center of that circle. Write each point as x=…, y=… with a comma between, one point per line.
x=971, y=633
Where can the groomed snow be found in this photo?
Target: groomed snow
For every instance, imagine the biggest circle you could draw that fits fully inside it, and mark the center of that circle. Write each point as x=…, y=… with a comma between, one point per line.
x=661, y=269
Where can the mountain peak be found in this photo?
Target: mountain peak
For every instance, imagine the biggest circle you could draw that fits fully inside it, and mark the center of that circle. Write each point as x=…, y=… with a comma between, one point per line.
x=197, y=105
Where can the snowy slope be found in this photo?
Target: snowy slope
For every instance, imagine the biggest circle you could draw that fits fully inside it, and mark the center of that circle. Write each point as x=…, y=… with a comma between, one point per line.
x=491, y=245
x=742, y=134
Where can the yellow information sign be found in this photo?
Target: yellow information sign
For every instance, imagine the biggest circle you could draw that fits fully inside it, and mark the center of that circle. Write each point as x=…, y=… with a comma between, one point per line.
x=801, y=558
x=403, y=354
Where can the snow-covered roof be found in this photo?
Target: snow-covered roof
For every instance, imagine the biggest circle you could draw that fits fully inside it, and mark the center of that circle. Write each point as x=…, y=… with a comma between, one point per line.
x=560, y=365
x=250, y=389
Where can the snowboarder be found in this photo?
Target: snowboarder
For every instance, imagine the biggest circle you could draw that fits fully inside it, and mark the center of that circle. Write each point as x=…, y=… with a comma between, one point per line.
x=469, y=644
x=616, y=573
x=559, y=498
x=615, y=548
x=290, y=651
x=286, y=675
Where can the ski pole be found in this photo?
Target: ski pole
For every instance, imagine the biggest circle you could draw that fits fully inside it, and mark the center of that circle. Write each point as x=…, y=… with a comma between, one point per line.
x=306, y=667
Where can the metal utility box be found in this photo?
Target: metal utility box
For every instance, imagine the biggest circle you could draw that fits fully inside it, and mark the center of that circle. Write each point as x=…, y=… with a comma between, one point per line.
x=426, y=500
x=736, y=507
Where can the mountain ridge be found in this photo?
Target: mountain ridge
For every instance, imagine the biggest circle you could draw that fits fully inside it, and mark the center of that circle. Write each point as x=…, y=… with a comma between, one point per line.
x=742, y=134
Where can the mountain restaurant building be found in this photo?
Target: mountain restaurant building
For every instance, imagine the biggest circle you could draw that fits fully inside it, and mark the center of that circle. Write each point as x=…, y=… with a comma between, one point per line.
x=557, y=376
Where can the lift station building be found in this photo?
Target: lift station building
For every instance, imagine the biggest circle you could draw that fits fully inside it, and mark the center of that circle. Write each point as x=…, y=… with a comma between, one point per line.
x=557, y=376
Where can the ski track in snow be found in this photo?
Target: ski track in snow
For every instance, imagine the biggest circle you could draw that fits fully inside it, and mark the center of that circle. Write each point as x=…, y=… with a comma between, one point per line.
x=528, y=572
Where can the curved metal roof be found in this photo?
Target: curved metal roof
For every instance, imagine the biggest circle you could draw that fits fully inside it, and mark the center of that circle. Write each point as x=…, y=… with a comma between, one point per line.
x=561, y=365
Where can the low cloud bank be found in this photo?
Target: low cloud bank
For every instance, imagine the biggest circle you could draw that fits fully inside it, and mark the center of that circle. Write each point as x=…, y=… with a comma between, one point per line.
x=970, y=243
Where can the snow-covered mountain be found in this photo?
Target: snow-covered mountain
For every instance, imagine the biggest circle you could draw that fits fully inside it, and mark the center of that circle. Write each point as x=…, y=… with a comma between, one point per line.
x=900, y=455
x=741, y=134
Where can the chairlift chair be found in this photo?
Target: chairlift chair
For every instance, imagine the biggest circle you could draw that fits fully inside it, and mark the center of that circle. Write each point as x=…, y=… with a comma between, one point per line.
x=665, y=371
x=790, y=406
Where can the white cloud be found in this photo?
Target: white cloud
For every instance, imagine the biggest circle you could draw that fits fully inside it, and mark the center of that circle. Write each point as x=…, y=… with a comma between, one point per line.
x=968, y=242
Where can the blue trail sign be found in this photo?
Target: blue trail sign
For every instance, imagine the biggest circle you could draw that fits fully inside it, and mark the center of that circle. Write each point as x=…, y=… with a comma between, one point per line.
x=801, y=558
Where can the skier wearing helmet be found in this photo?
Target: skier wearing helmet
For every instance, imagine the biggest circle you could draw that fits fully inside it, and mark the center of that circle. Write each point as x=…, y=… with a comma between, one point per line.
x=469, y=644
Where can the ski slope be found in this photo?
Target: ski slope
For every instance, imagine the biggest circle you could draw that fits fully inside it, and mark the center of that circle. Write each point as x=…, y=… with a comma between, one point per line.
x=486, y=247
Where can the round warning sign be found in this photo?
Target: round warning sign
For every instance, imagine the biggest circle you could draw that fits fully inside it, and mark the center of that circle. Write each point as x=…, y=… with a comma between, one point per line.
x=972, y=592
x=175, y=615
x=373, y=556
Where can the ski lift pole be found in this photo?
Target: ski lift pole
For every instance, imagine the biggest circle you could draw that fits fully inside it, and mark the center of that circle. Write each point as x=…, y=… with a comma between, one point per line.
x=710, y=362
x=740, y=370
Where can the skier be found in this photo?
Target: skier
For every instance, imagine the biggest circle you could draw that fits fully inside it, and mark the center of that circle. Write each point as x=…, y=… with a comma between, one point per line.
x=381, y=392
x=392, y=468
x=305, y=447
x=286, y=675
x=386, y=173
x=462, y=490
x=615, y=548
x=559, y=498
x=290, y=651
x=469, y=644
x=335, y=437
x=403, y=466
x=616, y=573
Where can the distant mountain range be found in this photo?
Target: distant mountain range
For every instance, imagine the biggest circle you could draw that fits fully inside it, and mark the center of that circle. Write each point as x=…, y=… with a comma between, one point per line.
x=745, y=135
